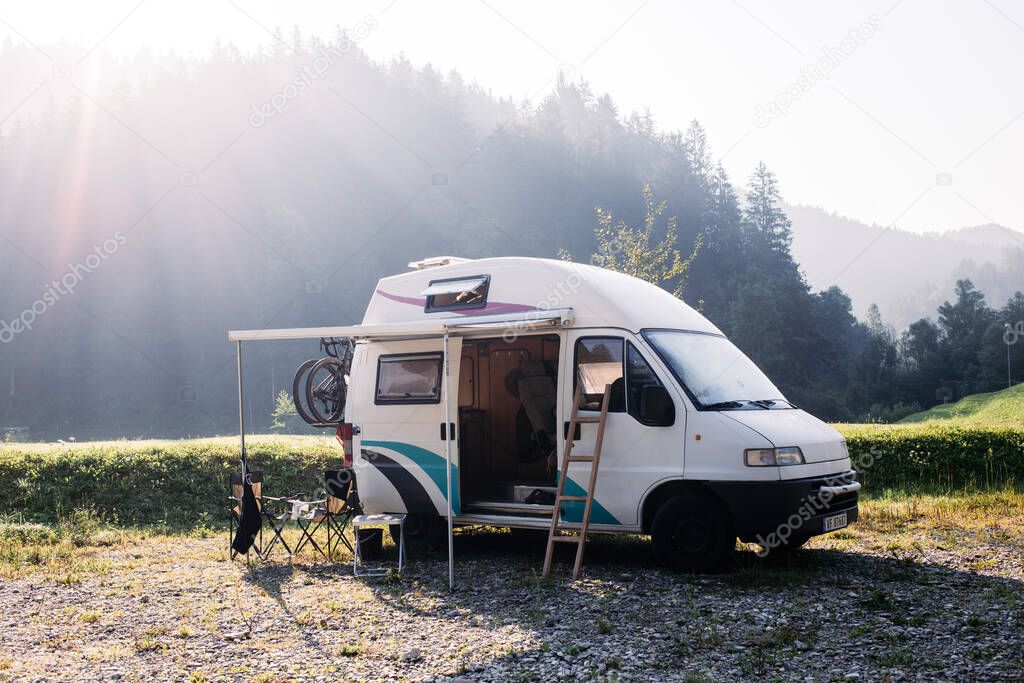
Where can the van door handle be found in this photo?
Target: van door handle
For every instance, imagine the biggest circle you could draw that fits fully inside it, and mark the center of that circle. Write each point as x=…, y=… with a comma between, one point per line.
x=450, y=431
x=575, y=435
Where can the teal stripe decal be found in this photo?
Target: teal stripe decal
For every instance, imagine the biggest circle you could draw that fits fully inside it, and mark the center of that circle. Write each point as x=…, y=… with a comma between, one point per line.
x=573, y=511
x=433, y=465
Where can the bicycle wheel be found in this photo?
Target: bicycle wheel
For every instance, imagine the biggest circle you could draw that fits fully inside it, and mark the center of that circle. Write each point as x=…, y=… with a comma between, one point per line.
x=326, y=397
x=298, y=390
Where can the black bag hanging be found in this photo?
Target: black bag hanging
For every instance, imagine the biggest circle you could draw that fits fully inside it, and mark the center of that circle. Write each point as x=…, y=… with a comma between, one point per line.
x=249, y=521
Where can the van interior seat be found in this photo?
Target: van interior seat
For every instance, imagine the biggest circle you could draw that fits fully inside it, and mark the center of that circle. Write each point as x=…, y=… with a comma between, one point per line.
x=538, y=393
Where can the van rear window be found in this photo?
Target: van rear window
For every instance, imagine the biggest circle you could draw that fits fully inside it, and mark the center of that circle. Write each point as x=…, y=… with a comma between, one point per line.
x=409, y=378
x=455, y=294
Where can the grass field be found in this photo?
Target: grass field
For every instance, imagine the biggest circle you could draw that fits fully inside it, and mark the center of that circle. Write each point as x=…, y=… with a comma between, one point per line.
x=997, y=409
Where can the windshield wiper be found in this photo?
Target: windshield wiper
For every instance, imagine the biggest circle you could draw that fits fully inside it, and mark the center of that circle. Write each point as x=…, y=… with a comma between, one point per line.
x=724, y=405
x=739, y=403
x=776, y=403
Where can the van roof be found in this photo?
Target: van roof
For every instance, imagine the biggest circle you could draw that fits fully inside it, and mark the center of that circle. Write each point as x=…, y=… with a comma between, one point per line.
x=598, y=297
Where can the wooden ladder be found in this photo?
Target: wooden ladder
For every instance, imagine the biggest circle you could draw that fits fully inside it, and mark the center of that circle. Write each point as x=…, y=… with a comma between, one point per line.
x=588, y=499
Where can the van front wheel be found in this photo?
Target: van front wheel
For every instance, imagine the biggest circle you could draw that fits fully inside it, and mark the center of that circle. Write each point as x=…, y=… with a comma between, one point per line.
x=692, y=533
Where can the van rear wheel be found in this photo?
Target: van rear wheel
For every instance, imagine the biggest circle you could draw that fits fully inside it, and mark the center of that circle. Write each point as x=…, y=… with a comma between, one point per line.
x=692, y=533
x=423, y=533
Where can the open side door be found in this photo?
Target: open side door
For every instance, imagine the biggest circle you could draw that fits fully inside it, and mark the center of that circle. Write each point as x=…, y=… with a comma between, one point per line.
x=399, y=414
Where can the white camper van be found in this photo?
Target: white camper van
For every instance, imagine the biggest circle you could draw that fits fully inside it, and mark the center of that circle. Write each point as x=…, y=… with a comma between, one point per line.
x=699, y=446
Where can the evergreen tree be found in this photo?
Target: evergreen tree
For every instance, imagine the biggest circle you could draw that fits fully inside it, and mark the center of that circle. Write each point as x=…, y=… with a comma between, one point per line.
x=1012, y=314
x=964, y=323
x=698, y=154
x=1003, y=341
x=763, y=213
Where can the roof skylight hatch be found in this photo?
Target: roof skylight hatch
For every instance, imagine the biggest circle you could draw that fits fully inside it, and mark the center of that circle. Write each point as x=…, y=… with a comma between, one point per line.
x=456, y=294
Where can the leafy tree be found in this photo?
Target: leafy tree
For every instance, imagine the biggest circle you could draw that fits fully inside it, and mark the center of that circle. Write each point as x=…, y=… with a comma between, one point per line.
x=285, y=418
x=628, y=249
x=920, y=345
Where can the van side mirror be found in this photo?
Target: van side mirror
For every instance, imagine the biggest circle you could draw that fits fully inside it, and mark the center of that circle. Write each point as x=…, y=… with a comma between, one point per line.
x=656, y=407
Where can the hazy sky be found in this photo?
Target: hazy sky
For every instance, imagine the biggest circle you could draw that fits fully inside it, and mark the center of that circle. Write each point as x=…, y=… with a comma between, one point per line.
x=908, y=112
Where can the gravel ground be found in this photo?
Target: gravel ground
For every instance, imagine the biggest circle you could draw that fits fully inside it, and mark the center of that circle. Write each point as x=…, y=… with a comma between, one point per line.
x=858, y=605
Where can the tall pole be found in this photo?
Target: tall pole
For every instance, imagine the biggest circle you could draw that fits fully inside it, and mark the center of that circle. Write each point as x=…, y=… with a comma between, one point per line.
x=448, y=461
x=1006, y=338
x=241, y=413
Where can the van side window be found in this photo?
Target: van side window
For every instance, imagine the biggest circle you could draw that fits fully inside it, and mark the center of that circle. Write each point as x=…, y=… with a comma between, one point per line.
x=639, y=374
x=408, y=378
x=599, y=362
x=454, y=294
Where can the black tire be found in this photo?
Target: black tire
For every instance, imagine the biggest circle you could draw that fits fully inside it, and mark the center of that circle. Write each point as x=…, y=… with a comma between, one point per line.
x=693, y=533
x=299, y=390
x=423, y=533
x=335, y=405
x=371, y=543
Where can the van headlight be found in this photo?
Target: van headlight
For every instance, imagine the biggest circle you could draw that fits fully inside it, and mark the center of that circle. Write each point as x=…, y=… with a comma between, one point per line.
x=770, y=457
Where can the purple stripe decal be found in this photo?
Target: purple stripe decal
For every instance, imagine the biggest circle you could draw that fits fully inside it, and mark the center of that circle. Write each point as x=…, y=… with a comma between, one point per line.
x=498, y=307
x=412, y=301
x=494, y=307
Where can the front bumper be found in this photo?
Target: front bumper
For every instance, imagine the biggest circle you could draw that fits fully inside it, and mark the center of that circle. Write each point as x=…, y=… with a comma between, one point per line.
x=799, y=506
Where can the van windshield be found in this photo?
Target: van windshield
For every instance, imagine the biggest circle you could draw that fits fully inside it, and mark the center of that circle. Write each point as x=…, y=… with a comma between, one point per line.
x=714, y=372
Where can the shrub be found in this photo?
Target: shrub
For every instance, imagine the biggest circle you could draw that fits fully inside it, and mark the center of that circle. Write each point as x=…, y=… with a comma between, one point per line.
x=936, y=457
x=173, y=484
x=27, y=533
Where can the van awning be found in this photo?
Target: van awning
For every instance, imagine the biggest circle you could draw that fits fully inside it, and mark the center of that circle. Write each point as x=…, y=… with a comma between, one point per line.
x=420, y=329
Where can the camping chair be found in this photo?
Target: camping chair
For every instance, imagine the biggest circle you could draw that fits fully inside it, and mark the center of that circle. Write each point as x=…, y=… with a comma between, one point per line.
x=276, y=522
x=342, y=504
x=309, y=516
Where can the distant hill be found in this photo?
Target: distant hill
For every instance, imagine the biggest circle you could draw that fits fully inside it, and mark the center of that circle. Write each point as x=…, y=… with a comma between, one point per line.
x=987, y=235
x=1000, y=409
x=907, y=274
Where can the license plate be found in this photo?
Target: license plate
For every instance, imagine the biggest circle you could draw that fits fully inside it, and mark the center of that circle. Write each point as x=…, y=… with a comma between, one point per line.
x=834, y=522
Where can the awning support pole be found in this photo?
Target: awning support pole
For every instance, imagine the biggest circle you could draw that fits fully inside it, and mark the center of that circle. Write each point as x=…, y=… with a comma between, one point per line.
x=241, y=414
x=448, y=460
